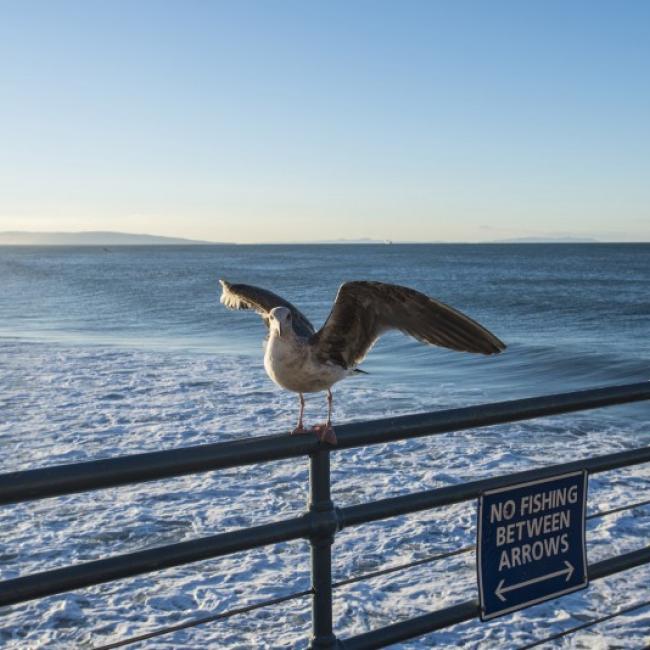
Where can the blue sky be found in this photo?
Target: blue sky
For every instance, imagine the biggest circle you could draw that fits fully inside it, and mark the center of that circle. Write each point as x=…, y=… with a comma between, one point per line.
x=277, y=121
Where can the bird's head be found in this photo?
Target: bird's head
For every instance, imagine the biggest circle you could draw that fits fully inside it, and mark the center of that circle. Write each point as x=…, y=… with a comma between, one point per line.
x=280, y=321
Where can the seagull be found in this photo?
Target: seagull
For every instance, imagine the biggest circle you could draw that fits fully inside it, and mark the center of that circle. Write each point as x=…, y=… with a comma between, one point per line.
x=300, y=359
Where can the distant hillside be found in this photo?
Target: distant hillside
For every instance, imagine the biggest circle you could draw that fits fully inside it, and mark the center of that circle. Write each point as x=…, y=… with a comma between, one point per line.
x=548, y=240
x=89, y=238
x=363, y=240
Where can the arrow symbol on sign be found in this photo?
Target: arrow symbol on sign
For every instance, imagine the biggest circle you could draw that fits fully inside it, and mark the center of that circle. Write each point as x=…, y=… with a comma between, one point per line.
x=500, y=590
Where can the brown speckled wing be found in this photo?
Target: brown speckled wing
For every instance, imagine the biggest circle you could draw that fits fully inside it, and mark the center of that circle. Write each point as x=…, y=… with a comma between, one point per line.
x=262, y=301
x=363, y=311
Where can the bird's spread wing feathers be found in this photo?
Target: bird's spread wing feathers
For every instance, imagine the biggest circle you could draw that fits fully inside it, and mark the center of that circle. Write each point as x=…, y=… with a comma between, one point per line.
x=245, y=296
x=363, y=311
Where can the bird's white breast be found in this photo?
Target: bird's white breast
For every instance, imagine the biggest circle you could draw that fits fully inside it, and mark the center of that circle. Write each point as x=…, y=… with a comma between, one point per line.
x=291, y=364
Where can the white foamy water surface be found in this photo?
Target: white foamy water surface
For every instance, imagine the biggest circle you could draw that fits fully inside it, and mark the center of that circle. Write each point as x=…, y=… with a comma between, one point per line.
x=69, y=395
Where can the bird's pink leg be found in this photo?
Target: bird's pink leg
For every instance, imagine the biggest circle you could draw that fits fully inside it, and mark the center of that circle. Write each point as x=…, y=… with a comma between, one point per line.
x=300, y=428
x=330, y=399
x=325, y=432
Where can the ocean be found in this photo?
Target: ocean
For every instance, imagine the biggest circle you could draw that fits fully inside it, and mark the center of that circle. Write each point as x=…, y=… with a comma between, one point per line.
x=118, y=350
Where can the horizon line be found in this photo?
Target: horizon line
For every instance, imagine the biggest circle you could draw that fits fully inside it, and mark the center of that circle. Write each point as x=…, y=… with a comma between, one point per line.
x=170, y=240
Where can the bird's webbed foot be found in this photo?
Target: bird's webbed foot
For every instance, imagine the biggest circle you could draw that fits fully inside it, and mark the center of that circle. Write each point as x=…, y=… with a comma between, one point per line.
x=325, y=433
x=300, y=429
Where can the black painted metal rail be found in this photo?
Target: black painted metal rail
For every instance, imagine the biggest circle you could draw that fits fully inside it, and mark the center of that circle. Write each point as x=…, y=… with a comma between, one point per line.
x=322, y=520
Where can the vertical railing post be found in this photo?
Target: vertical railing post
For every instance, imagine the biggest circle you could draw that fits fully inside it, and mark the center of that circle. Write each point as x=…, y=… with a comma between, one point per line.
x=324, y=525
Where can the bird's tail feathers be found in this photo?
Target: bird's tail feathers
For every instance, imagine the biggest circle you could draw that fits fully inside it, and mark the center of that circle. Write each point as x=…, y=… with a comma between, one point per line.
x=358, y=371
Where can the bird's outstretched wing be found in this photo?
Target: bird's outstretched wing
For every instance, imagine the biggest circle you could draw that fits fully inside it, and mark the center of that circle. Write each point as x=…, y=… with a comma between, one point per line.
x=363, y=311
x=245, y=296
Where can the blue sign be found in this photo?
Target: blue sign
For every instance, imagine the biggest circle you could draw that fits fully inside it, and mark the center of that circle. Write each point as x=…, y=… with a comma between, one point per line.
x=531, y=543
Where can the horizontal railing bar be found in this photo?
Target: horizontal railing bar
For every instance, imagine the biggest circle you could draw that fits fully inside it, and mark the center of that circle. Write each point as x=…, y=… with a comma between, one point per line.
x=194, y=622
x=619, y=563
x=613, y=511
x=112, y=472
x=413, y=627
x=426, y=623
x=29, y=485
x=623, y=611
x=417, y=501
x=414, y=426
x=402, y=567
x=47, y=583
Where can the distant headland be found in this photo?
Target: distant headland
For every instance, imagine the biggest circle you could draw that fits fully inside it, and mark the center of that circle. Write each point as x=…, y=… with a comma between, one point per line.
x=548, y=240
x=92, y=238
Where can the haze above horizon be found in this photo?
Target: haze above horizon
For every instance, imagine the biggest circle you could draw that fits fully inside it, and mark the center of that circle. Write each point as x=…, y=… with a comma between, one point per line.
x=265, y=122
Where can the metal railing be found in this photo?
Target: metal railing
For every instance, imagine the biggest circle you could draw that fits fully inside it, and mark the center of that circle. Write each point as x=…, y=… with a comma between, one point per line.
x=323, y=519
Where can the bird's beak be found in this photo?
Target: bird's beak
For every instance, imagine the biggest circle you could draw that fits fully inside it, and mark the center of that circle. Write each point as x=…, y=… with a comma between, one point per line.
x=277, y=326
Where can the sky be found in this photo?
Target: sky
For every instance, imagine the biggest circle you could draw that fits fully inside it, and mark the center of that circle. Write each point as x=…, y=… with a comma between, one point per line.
x=290, y=121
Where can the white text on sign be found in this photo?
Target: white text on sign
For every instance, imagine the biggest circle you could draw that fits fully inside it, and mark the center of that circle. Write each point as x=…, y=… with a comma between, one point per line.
x=539, y=521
